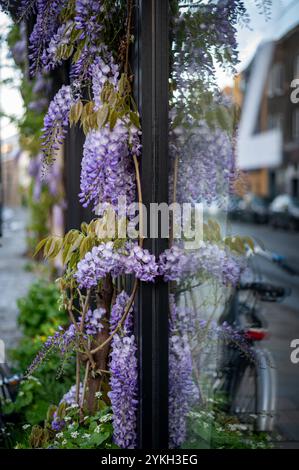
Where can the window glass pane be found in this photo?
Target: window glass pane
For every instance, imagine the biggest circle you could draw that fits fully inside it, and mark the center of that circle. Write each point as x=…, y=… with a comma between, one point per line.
x=229, y=139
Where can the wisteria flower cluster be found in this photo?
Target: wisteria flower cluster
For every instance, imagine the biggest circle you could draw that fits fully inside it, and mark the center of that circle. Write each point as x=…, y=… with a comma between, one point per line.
x=105, y=259
x=69, y=399
x=87, y=18
x=177, y=264
x=56, y=122
x=206, y=166
x=93, y=321
x=123, y=382
x=47, y=22
x=64, y=340
x=107, y=168
x=50, y=58
x=183, y=392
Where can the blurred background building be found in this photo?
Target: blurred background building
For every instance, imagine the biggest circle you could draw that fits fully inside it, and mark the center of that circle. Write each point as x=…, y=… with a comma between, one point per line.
x=268, y=146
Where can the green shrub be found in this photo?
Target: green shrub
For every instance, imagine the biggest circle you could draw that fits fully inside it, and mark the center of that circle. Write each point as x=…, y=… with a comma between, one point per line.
x=39, y=318
x=39, y=313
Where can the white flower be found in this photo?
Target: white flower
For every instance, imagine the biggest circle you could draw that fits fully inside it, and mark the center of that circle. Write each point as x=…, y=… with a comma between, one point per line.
x=64, y=442
x=105, y=418
x=59, y=435
x=26, y=426
x=86, y=435
x=98, y=429
x=67, y=418
x=98, y=394
x=74, y=434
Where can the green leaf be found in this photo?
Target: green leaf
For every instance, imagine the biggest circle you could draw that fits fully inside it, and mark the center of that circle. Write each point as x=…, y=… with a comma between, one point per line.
x=135, y=119
x=102, y=115
x=39, y=246
x=75, y=112
x=112, y=118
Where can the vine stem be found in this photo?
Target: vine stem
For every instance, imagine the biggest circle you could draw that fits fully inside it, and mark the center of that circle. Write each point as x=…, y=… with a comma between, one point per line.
x=84, y=385
x=85, y=309
x=87, y=352
x=121, y=321
x=139, y=191
x=130, y=7
x=77, y=379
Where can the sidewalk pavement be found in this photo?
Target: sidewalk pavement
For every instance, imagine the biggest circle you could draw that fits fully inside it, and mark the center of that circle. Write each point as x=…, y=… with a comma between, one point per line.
x=14, y=280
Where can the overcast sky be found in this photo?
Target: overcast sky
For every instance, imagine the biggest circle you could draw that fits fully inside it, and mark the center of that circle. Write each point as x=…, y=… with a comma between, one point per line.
x=10, y=100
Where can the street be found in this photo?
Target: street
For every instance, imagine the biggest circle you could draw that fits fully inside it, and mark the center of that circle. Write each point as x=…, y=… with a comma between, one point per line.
x=283, y=322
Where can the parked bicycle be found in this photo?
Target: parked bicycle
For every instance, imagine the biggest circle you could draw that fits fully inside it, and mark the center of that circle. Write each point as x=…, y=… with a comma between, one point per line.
x=8, y=390
x=248, y=381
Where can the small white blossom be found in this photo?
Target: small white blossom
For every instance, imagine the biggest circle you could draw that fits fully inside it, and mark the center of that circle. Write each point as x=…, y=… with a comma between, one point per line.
x=59, y=435
x=74, y=434
x=64, y=442
x=98, y=394
x=86, y=435
x=105, y=418
x=26, y=426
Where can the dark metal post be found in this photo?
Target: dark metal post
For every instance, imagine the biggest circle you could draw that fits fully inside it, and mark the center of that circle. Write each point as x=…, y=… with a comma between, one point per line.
x=151, y=89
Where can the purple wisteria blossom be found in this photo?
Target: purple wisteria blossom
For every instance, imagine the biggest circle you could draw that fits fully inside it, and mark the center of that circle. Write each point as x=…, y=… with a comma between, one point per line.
x=93, y=321
x=105, y=259
x=101, y=260
x=26, y=8
x=183, y=393
x=103, y=69
x=206, y=166
x=107, y=168
x=87, y=18
x=118, y=310
x=56, y=122
x=45, y=26
x=177, y=264
x=51, y=179
x=69, y=398
x=123, y=382
x=50, y=57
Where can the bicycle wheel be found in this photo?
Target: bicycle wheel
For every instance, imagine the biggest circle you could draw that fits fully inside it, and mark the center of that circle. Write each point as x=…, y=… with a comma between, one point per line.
x=244, y=400
x=254, y=395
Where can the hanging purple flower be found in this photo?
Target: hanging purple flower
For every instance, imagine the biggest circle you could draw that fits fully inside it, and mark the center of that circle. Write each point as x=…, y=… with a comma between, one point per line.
x=69, y=398
x=117, y=312
x=56, y=122
x=177, y=264
x=107, y=169
x=93, y=321
x=206, y=167
x=103, y=69
x=105, y=259
x=141, y=263
x=45, y=26
x=87, y=18
x=26, y=8
x=123, y=382
x=183, y=393
x=61, y=341
x=50, y=57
